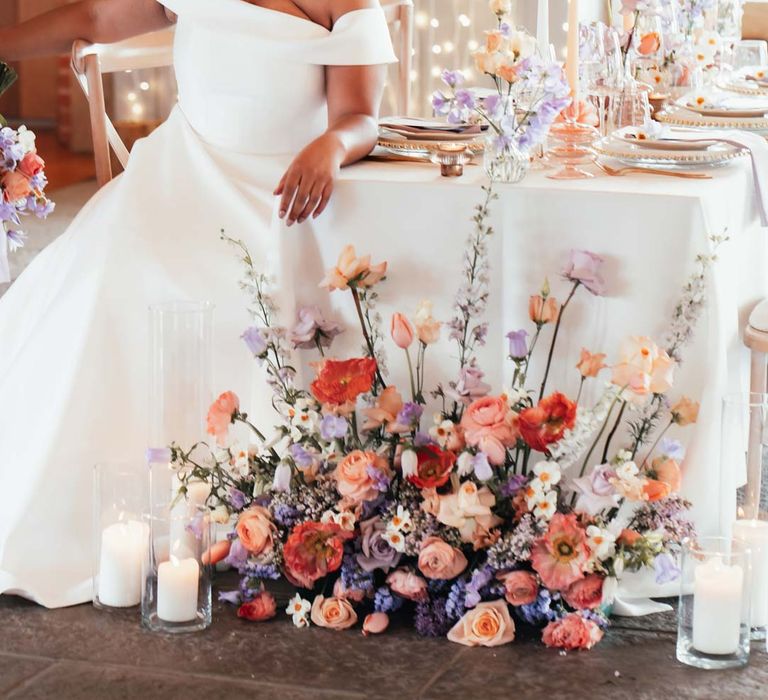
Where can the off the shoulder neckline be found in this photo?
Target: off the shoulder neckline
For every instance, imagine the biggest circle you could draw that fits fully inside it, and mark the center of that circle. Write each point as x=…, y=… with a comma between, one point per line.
x=304, y=20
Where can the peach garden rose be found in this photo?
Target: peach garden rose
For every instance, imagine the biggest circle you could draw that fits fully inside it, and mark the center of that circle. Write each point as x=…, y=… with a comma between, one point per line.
x=487, y=625
x=255, y=530
x=355, y=474
x=333, y=613
x=491, y=426
x=438, y=560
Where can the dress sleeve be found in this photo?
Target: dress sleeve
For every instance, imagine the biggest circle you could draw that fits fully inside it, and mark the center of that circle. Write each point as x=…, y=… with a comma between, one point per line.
x=359, y=38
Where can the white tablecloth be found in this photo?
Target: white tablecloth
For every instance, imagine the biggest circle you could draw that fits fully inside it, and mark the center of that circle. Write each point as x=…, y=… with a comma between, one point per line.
x=649, y=229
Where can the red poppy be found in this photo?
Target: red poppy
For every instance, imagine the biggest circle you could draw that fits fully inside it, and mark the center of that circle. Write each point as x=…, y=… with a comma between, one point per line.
x=312, y=551
x=544, y=424
x=342, y=381
x=434, y=467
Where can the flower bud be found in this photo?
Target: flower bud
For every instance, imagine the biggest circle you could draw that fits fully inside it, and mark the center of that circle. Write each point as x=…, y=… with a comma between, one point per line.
x=401, y=331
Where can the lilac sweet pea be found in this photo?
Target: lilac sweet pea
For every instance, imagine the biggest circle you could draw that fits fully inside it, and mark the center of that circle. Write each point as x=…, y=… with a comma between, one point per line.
x=333, y=428
x=236, y=498
x=452, y=78
x=469, y=387
x=673, y=449
x=584, y=267
x=482, y=467
x=666, y=569
x=255, y=340
x=312, y=329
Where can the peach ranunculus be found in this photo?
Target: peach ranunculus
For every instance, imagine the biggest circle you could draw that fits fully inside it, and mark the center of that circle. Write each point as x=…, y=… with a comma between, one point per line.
x=590, y=364
x=572, y=632
x=586, y=593
x=31, y=164
x=542, y=311
x=333, y=613
x=685, y=412
x=261, y=607
x=401, y=331
x=654, y=490
x=221, y=415
x=339, y=382
x=490, y=425
x=487, y=625
x=649, y=44
x=668, y=471
x=355, y=475
x=351, y=271
x=560, y=556
x=520, y=587
x=384, y=413
x=644, y=368
x=408, y=584
x=15, y=186
x=547, y=422
x=468, y=509
x=427, y=329
x=438, y=560
x=255, y=530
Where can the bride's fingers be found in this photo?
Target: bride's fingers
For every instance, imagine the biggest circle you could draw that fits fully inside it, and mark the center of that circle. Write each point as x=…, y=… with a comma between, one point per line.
x=279, y=189
x=312, y=202
x=289, y=188
x=300, y=201
x=327, y=191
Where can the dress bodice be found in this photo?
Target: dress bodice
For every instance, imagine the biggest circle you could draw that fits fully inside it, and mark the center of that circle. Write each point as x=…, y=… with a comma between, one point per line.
x=252, y=79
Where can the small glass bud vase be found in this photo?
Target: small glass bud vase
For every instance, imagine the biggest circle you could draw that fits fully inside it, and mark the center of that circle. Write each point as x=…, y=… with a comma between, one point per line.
x=504, y=161
x=176, y=596
x=121, y=534
x=713, y=615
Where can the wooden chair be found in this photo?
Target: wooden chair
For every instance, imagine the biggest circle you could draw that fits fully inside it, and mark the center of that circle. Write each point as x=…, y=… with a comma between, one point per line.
x=155, y=50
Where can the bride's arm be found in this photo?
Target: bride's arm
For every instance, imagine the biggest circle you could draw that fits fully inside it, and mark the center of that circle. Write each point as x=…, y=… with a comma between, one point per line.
x=354, y=94
x=102, y=21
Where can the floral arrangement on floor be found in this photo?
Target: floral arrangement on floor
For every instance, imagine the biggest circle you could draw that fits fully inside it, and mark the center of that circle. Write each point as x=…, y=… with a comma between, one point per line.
x=22, y=181
x=502, y=511
x=530, y=93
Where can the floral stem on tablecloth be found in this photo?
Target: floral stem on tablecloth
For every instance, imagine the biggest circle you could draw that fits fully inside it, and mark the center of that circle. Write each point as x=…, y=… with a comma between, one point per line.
x=554, y=338
x=367, y=336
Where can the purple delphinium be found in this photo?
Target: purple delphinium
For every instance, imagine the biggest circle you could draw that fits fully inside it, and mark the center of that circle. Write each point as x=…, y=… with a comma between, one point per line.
x=237, y=498
x=455, y=605
x=422, y=439
x=410, y=414
x=333, y=427
x=540, y=612
x=673, y=449
x=353, y=577
x=262, y=571
x=431, y=618
x=255, y=340
x=479, y=580
x=385, y=601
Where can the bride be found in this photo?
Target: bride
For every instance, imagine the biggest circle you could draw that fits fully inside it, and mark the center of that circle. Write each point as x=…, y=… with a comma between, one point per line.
x=275, y=96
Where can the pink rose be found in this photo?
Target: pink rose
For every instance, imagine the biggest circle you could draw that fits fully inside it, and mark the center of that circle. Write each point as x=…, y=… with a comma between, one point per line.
x=31, y=164
x=486, y=625
x=521, y=587
x=491, y=426
x=354, y=479
x=585, y=593
x=572, y=632
x=16, y=186
x=375, y=623
x=333, y=613
x=255, y=530
x=438, y=559
x=408, y=585
x=262, y=607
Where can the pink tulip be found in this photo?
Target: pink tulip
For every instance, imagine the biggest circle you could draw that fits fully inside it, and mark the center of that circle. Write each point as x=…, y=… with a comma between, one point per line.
x=401, y=331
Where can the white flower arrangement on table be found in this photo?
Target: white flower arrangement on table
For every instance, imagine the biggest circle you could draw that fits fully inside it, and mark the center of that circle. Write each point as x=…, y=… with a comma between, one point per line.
x=506, y=511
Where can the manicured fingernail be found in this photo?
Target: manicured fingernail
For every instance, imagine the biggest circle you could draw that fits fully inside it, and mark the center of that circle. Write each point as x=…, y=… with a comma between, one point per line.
x=290, y=223
x=282, y=213
x=302, y=219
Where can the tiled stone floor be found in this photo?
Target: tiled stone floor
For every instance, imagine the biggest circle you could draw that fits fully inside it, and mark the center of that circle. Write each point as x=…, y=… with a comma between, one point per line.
x=82, y=654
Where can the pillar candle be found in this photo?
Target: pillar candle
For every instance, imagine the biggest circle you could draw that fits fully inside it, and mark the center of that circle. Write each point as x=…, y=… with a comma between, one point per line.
x=542, y=28
x=177, y=586
x=717, y=607
x=755, y=534
x=572, y=59
x=123, y=549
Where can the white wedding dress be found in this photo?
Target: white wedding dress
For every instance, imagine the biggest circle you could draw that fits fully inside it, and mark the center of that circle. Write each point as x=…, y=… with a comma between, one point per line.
x=74, y=326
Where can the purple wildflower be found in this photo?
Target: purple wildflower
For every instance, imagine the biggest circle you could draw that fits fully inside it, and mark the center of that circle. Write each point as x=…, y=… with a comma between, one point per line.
x=237, y=498
x=666, y=569
x=286, y=516
x=432, y=619
x=512, y=485
x=480, y=579
x=540, y=612
x=518, y=344
x=255, y=340
x=455, y=605
x=409, y=414
x=312, y=329
x=196, y=525
x=385, y=601
x=237, y=556
x=333, y=427
x=452, y=78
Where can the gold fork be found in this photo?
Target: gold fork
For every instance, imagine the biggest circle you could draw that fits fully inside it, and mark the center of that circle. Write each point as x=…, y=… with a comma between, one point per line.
x=620, y=172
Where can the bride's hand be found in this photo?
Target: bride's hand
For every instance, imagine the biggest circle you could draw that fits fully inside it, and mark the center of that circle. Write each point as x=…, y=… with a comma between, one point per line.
x=307, y=185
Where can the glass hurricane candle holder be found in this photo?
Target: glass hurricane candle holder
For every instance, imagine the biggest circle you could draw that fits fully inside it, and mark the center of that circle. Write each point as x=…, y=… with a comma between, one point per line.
x=176, y=595
x=121, y=536
x=713, y=615
x=744, y=488
x=452, y=157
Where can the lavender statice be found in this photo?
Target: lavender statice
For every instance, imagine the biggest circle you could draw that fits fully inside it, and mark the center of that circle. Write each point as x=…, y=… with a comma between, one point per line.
x=268, y=572
x=285, y=515
x=670, y=515
x=514, y=548
x=432, y=619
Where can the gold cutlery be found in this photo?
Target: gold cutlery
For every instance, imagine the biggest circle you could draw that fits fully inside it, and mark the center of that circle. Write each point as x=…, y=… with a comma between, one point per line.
x=620, y=172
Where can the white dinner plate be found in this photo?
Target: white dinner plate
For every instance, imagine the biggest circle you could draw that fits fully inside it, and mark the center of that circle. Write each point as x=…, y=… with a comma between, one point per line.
x=738, y=106
x=715, y=155
x=635, y=136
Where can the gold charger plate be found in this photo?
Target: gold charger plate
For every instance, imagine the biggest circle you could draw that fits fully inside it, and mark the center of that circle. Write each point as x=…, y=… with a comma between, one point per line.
x=743, y=87
x=476, y=145
x=708, y=156
x=679, y=116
